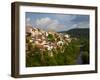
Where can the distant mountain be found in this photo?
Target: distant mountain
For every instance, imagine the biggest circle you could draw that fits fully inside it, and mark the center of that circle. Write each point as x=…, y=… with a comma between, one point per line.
x=78, y=33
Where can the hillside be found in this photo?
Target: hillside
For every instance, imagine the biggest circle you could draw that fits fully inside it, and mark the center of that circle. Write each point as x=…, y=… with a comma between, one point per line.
x=49, y=48
x=78, y=33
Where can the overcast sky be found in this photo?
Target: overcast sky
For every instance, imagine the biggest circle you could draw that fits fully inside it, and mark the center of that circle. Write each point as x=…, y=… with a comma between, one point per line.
x=57, y=22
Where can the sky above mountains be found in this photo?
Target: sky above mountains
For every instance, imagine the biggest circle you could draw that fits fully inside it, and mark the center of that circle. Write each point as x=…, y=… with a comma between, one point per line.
x=56, y=22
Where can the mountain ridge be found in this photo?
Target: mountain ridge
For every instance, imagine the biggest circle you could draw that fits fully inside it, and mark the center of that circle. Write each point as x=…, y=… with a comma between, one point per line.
x=78, y=32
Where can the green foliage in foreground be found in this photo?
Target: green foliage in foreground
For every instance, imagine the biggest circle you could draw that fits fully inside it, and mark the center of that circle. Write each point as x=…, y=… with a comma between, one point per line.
x=67, y=55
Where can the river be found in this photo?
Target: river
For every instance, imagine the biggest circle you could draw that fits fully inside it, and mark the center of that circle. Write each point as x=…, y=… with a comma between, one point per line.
x=79, y=59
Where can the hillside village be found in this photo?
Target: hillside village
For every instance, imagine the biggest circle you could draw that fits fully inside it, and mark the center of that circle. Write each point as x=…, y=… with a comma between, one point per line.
x=46, y=39
x=48, y=48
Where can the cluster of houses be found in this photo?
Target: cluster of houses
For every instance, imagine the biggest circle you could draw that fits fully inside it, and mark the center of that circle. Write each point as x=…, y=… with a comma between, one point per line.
x=46, y=39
